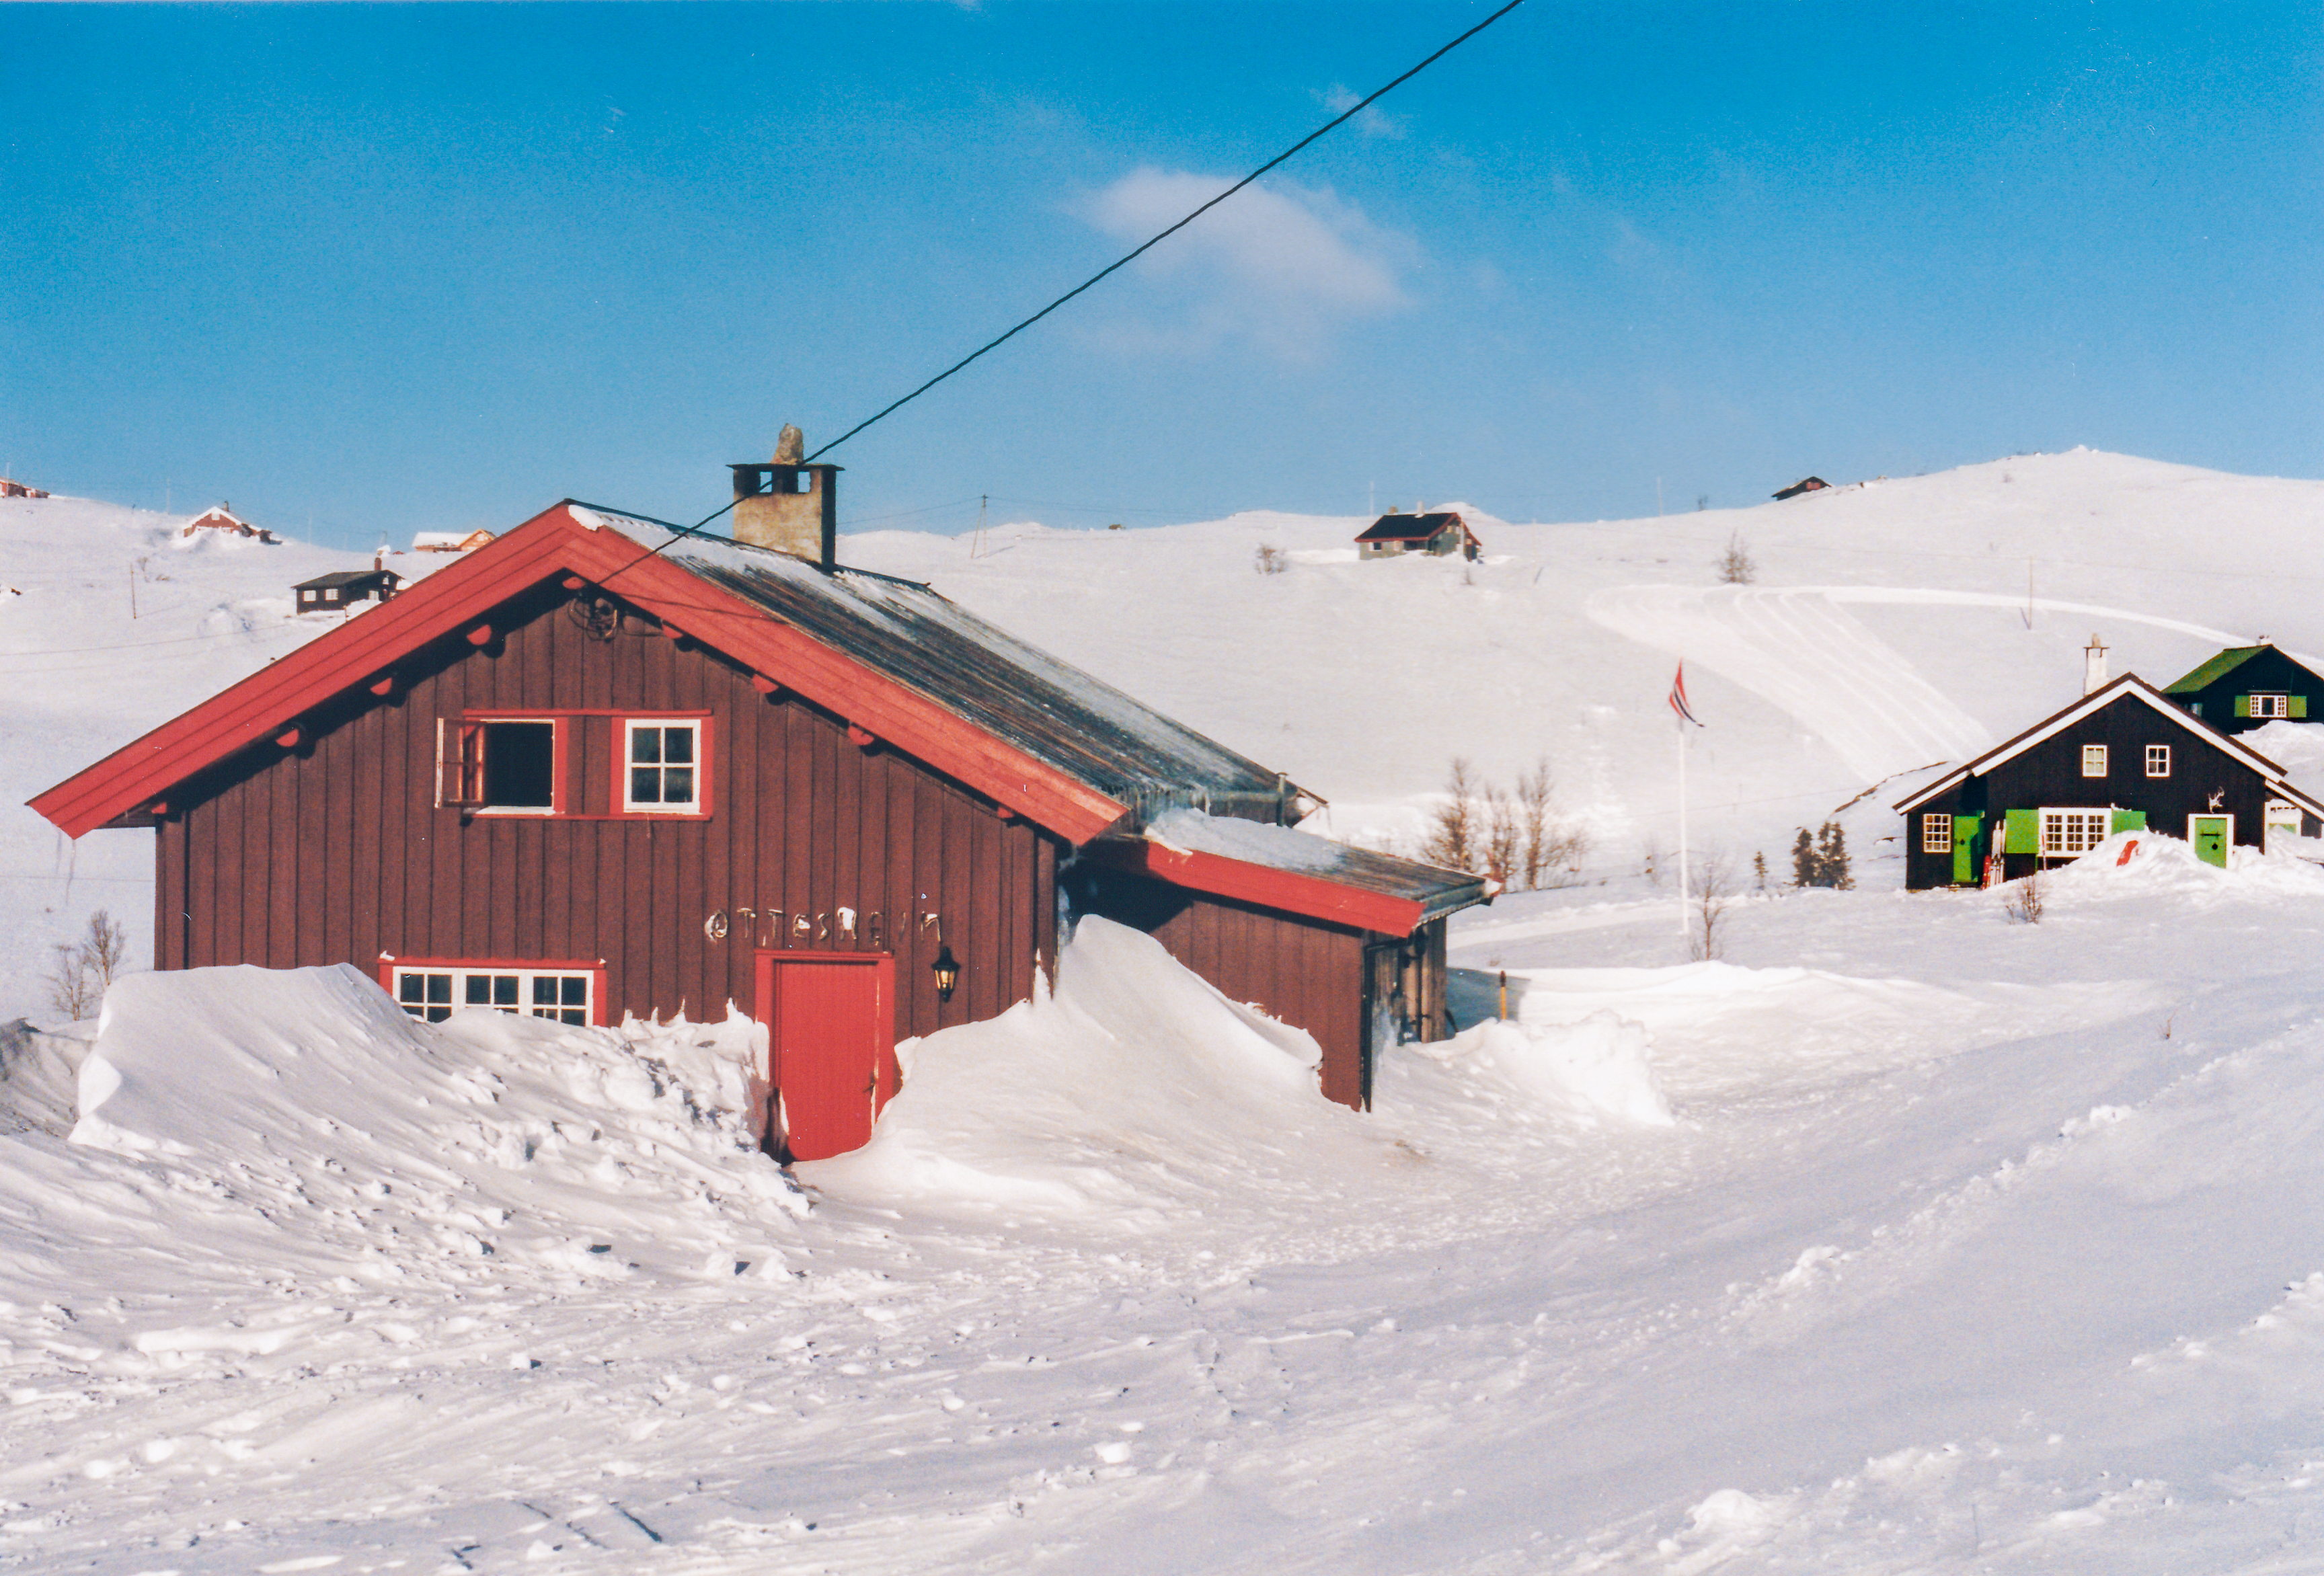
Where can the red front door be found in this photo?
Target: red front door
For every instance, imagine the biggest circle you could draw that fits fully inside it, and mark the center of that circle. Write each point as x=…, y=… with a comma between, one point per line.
x=831, y=1033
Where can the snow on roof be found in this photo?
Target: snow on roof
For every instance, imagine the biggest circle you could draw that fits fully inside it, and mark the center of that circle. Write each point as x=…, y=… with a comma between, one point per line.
x=1437, y=891
x=1034, y=702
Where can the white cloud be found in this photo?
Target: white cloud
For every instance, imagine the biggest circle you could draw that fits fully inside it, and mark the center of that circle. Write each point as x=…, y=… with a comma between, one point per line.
x=1372, y=123
x=1279, y=264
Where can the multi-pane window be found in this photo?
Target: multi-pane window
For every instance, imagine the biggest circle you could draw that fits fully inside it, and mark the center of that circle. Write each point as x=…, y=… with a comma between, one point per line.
x=2271, y=706
x=2066, y=834
x=432, y=993
x=1936, y=834
x=663, y=767
x=2158, y=760
x=2094, y=761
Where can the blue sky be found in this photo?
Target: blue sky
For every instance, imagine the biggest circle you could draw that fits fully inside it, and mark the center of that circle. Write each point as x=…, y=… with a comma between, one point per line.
x=387, y=269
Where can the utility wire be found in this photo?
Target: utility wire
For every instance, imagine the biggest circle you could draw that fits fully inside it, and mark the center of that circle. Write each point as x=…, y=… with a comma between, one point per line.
x=1123, y=262
x=1348, y=114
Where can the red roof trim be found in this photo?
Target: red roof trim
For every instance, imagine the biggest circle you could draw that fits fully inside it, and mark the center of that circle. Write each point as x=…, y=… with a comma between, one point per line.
x=1311, y=897
x=553, y=543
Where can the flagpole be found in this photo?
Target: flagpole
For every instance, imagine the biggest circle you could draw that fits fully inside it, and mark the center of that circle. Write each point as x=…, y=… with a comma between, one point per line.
x=1682, y=903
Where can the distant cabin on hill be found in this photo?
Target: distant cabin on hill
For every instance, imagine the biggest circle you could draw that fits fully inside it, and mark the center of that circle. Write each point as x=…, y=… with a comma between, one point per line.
x=1439, y=535
x=451, y=541
x=221, y=518
x=330, y=593
x=12, y=488
x=2119, y=758
x=1804, y=484
x=2248, y=686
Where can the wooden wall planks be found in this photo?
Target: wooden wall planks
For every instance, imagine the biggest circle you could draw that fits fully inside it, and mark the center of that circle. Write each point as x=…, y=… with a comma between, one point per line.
x=334, y=852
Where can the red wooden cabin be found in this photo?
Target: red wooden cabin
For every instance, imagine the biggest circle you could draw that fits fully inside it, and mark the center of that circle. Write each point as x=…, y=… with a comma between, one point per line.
x=598, y=767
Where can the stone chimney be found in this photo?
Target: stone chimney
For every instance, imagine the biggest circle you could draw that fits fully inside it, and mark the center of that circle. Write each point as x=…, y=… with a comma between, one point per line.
x=2094, y=667
x=789, y=504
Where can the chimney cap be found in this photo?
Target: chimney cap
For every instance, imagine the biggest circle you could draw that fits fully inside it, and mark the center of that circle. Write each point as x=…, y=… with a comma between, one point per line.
x=790, y=446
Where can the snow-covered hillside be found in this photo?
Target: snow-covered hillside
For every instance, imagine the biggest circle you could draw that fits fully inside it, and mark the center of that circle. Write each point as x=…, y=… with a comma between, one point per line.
x=1906, y=1235
x=112, y=620
x=1889, y=628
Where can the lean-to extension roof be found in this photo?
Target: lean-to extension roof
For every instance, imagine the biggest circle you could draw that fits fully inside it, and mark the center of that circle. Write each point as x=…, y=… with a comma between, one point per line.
x=1279, y=868
x=2128, y=687
x=899, y=662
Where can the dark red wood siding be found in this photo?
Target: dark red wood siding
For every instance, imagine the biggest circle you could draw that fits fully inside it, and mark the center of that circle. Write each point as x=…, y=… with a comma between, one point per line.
x=332, y=851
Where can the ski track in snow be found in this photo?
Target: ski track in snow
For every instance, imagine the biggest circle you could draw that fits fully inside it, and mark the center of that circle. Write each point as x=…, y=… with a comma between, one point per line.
x=1798, y=649
x=1793, y=648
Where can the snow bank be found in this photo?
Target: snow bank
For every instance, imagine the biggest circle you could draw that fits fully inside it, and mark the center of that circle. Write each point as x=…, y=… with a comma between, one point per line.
x=431, y=1149
x=1598, y=1067
x=1134, y=1090
x=2148, y=863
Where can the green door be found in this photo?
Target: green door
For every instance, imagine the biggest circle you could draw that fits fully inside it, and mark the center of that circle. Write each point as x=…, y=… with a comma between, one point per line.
x=1965, y=850
x=2209, y=834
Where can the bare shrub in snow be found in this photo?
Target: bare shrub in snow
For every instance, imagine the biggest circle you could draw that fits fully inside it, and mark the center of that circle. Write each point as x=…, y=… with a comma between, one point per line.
x=1759, y=873
x=82, y=969
x=1518, y=839
x=1736, y=565
x=1552, y=846
x=1713, y=892
x=1454, y=831
x=2024, y=903
x=1503, y=834
x=1270, y=559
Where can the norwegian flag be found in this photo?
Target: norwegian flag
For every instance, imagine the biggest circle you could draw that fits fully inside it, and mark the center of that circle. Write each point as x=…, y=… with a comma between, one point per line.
x=1678, y=697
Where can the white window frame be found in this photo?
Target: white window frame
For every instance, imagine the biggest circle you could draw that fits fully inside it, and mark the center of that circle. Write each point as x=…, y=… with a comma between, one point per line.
x=2277, y=706
x=1936, y=834
x=697, y=765
x=2158, y=760
x=459, y=984
x=2071, y=830
x=2094, y=755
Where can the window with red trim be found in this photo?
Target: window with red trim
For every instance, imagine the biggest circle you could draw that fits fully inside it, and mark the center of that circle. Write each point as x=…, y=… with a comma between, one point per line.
x=433, y=991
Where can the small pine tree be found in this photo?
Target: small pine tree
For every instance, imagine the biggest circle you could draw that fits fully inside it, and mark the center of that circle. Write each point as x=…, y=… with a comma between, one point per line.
x=1759, y=873
x=1832, y=858
x=1804, y=861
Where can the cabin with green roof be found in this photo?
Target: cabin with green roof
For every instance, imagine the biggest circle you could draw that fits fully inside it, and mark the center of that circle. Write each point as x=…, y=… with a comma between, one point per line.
x=2249, y=686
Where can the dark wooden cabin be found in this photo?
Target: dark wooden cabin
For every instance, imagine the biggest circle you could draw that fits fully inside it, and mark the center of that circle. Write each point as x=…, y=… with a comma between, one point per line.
x=1439, y=535
x=1804, y=484
x=334, y=592
x=2121, y=758
x=2249, y=686
x=598, y=767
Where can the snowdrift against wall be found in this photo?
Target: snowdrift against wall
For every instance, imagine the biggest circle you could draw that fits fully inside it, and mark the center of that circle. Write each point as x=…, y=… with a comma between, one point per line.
x=484, y=1146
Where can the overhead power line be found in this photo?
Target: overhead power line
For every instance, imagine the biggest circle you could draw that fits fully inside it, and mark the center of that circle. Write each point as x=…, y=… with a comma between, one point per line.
x=1125, y=260
x=1160, y=236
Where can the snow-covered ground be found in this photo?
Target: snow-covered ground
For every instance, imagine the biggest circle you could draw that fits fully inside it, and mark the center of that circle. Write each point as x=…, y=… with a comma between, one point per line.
x=1906, y=1236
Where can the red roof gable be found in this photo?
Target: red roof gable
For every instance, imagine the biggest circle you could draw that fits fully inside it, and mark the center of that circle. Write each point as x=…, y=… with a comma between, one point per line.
x=459, y=599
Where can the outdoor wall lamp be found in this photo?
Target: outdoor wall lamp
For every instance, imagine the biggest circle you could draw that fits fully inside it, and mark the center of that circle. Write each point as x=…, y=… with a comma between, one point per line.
x=946, y=969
